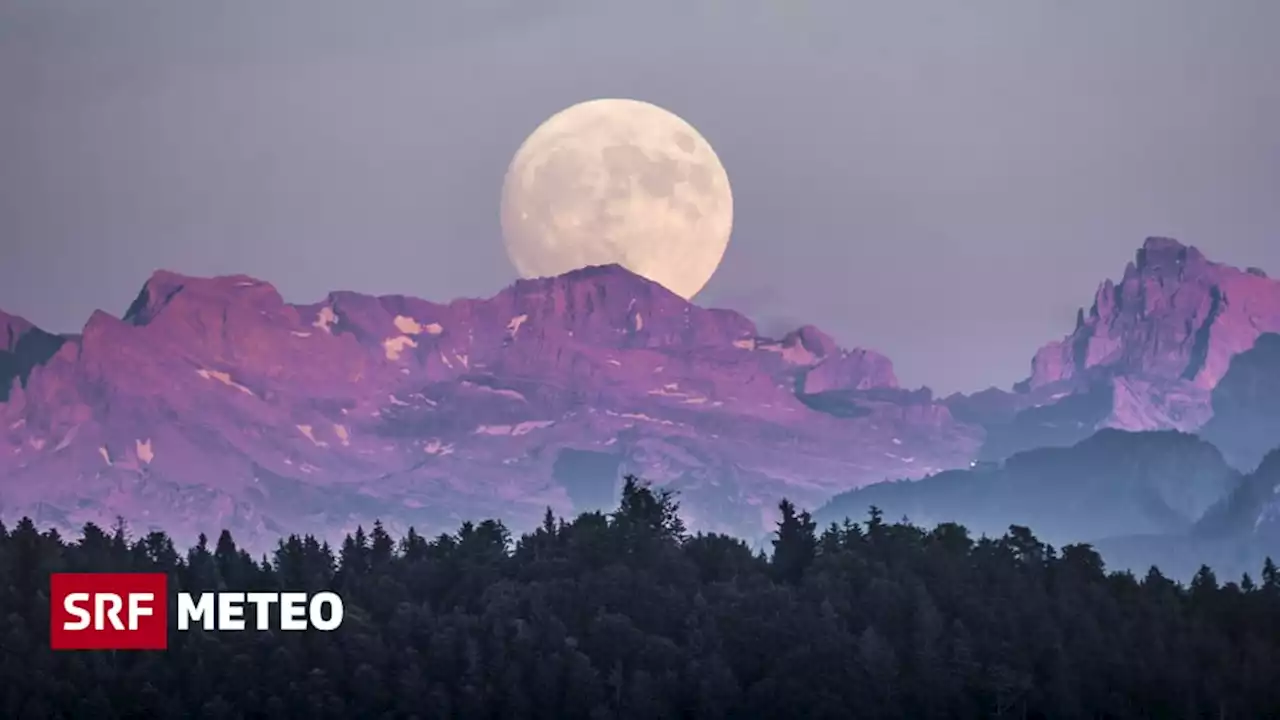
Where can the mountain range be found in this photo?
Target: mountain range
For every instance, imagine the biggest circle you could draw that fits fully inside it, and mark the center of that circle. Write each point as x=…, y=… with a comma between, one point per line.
x=212, y=402
x=1161, y=498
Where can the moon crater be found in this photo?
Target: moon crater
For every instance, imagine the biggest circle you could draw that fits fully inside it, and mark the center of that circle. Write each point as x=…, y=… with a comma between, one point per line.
x=618, y=181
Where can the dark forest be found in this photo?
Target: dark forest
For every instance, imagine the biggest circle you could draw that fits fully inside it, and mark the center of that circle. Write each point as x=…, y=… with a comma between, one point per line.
x=627, y=615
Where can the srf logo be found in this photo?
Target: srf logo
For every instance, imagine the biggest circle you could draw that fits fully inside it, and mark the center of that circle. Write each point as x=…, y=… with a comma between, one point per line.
x=108, y=611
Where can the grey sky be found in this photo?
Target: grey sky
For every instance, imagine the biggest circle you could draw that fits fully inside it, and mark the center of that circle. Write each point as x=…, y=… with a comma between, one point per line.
x=942, y=181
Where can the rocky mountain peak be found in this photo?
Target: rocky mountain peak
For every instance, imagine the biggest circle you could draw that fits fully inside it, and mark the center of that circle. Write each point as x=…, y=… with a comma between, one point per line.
x=1147, y=355
x=171, y=293
x=12, y=328
x=1174, y=316
x=611, y=305
x=1162, y=254
x=23, y=346
x=214, y=403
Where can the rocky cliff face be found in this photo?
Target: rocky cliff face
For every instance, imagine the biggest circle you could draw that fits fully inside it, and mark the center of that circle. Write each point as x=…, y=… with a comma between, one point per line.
x=1246, y=406
x=22, y=347
x=213, y=403
x=1175, y=318
x=1146, y=356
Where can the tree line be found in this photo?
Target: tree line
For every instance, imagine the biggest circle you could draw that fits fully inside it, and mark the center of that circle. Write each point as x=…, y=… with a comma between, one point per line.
x=627, y=615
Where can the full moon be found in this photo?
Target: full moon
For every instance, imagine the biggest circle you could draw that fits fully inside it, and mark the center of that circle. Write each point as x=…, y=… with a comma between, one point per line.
x=618, y=181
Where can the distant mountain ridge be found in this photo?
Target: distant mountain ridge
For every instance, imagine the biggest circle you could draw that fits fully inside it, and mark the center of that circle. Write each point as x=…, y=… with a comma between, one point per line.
x=23, y=347
x=1114, y=483
x=212, y=402
x=1246, y=405
x=1147, y=354
x=1144, y=498
x=1174, y=316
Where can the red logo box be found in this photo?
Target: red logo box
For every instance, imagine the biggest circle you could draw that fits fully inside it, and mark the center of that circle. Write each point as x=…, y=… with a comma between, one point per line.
x=108, y=611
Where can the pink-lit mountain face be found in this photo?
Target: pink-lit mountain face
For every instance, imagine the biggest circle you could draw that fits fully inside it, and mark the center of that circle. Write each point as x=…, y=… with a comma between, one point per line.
x=1146, y=356
x=1175, y=319
x=213, y=403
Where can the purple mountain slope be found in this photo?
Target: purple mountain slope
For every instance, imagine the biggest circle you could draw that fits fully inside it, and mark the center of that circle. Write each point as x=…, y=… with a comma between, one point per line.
x=213, y=403
x=1146, y=356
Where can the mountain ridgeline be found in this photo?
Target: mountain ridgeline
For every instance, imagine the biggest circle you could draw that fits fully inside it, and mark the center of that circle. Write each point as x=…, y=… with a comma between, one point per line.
x=625, y=615
x=1246, y=405
x=1149, y=354
x=213, y=402
x=1112, y=483
x=1142, y=498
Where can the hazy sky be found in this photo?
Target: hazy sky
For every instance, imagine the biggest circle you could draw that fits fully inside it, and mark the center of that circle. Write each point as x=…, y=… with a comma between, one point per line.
x=943, y=181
